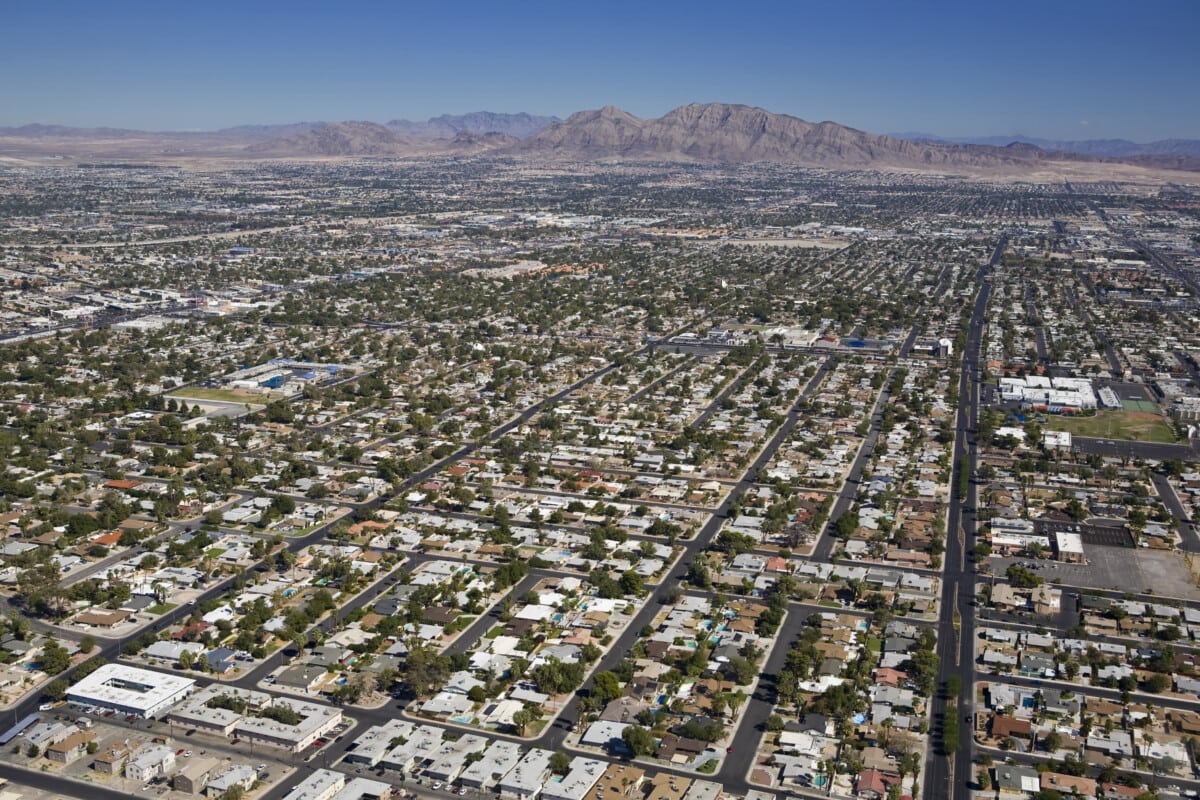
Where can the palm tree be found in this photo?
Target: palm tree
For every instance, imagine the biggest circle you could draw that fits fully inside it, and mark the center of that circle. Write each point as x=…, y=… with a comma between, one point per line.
x=735, y=699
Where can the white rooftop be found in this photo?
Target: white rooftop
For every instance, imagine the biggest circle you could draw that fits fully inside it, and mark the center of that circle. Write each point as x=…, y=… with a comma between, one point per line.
x=130, y=687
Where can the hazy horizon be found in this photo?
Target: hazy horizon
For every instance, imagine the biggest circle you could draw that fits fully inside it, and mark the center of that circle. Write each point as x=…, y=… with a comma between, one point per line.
x=1060, y=71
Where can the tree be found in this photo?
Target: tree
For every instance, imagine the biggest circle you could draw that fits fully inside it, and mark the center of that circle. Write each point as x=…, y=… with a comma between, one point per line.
x=56, y=689
x=424, y=669
x=606, y=686
x=186, y=659
x=1158, y=683
x=560, y=763
x=87, y=644
x=54, y=658
x=521, y=719
x=639, y=741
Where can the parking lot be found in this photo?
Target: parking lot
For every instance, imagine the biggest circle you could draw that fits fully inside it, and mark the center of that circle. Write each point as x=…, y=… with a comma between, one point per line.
x=1118, y=568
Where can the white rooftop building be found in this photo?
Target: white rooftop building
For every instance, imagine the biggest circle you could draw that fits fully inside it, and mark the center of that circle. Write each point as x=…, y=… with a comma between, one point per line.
x=131, y=690
x=322, y=784
x=376, y=740
x=578, y=781
x=498, y=760
x=315, y=721
x=524, y=781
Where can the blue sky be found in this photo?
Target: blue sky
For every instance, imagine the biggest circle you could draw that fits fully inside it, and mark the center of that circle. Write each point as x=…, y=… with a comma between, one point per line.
x=1054, y=68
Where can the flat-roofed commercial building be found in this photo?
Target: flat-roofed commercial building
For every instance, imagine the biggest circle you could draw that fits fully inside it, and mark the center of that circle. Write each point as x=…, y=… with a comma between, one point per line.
x=131, y=690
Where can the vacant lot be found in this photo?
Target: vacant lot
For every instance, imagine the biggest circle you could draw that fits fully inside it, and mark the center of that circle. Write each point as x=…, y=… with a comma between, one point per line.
x=1139, y=426
x=220, y=395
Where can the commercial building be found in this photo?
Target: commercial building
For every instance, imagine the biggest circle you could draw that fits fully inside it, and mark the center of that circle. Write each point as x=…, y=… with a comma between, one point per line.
x=1069, y=547
x=131, y=690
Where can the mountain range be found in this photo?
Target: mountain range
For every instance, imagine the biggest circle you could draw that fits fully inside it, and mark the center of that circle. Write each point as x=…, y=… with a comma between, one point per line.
x=702, y=133
x=722, y=133
x=1101, y=148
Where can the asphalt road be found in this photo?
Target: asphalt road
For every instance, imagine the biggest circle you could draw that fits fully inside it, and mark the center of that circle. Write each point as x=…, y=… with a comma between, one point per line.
x=1189, y=540
x=58, y=786
x=823, y=550
x=951, y=775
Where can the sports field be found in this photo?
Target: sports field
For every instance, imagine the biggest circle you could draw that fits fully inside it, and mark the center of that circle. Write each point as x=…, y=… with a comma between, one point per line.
x=1139, y=426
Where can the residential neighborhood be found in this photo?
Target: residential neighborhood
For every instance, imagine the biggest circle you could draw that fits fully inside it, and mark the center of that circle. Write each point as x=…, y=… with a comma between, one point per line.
x=781, y=486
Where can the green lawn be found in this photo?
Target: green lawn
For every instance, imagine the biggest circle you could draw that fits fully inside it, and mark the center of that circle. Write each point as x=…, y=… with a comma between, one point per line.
x=1138, y=426
x=161, y=608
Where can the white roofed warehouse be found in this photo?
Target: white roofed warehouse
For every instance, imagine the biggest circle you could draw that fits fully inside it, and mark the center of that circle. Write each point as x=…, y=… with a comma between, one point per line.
x=131, y=690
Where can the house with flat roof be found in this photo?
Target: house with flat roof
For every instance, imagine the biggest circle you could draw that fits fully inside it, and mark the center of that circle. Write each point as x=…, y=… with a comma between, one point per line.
x=376, y=740
x=579, y=780
x=423, y=740
x=618, y=781
x=498, y=760
x=242, y=775
x=70, y=749
x=195, y=774
x=703, y=790
x=364, y=789
x=668, y=786
x=450, y=758
x=218, y=709
x=314, y=722
x=150, y=762
x=322, y=784
x=524, y=781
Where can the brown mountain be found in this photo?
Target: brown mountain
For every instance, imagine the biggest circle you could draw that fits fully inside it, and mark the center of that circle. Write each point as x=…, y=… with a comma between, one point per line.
x=369, y=139
x=712, y=133
x=336, y=139
x=721, y=133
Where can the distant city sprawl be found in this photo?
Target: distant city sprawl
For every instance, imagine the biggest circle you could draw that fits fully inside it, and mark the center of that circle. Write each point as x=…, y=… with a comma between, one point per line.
x=475, y=476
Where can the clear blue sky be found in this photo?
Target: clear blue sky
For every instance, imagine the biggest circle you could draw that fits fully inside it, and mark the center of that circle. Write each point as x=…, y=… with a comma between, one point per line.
x=1055, y=68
